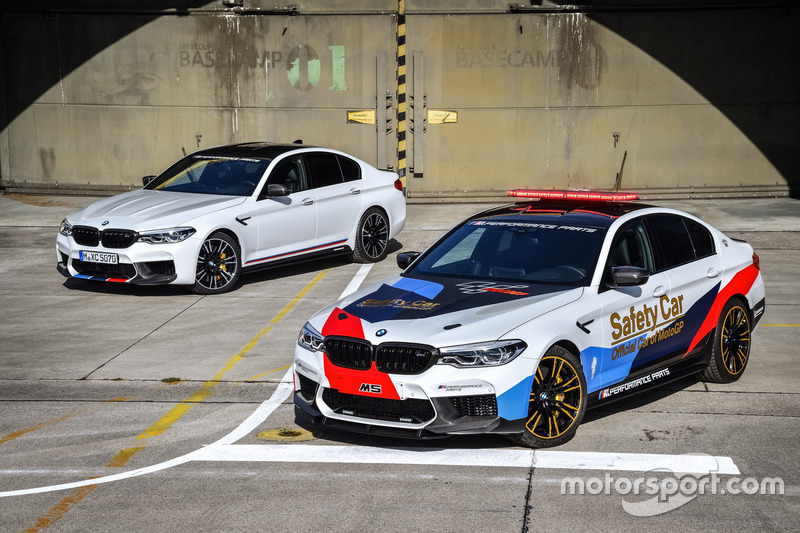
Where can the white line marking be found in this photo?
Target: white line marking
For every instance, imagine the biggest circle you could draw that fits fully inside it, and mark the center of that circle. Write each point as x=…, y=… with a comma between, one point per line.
x=357, y=280
x=250, y=423
x=315, y=453
x=225, y=450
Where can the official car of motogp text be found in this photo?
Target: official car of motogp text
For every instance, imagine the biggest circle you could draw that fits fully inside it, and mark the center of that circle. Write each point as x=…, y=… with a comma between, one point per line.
x=523, y=316
x=222, y=211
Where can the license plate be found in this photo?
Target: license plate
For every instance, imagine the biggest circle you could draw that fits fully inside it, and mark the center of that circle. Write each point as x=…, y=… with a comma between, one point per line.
x=99, y=257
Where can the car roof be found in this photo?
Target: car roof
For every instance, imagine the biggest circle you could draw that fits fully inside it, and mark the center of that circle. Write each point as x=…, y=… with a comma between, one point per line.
x=262, y=150
x=597, y=214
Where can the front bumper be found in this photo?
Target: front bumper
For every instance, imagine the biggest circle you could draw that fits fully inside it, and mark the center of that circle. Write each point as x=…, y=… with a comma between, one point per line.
x=441, y=401
x=139, y=264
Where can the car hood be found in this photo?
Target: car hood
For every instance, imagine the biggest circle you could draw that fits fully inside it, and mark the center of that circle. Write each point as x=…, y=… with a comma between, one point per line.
x=440, y=311
x=146, y=209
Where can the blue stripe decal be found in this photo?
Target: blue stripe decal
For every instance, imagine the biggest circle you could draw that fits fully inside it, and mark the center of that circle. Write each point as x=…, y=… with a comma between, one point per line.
x=428, y=289
x=513, y=403
x=296, y=251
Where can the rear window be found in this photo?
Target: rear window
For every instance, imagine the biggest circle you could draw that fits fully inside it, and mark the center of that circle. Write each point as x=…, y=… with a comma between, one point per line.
x=672, y=239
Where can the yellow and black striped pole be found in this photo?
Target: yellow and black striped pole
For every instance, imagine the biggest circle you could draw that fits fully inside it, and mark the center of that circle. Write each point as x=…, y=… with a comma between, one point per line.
x=401, y=89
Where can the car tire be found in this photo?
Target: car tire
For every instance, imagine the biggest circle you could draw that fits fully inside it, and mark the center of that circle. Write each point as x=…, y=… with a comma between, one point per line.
x=372, y=237
x=218, y=265
x=557, y=401
x=731, y=346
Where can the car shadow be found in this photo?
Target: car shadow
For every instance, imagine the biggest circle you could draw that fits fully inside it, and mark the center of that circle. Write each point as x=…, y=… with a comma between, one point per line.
x=450, y=442
x=639, y=400
x=479, y=441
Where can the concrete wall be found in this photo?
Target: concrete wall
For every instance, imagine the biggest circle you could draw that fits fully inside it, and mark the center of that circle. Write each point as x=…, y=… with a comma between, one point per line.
x=662, y=101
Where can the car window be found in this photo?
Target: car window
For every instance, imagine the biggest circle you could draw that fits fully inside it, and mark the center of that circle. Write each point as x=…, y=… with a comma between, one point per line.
x=210, y=174
x=323, y=169
x=350, y=169
x=291, y=173
x=511, y=250
x=701, y=238
x=672, y=239
x=631, y=247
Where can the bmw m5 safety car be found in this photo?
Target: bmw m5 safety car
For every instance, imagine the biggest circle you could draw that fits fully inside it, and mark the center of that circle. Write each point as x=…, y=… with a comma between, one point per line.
x=523, y=316
x=222, y=211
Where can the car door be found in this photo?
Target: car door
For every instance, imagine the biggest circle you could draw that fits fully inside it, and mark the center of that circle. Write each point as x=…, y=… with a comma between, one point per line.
x=338, y=201
x=694, y=268
x=286, y=224
x=631, y=316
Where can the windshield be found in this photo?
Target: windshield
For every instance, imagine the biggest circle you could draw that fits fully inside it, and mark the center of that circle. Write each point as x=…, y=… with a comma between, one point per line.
x=513, y=250
x=210, y=174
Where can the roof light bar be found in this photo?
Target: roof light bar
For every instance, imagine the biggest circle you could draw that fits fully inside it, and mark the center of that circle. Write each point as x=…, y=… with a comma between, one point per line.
x=595, y=196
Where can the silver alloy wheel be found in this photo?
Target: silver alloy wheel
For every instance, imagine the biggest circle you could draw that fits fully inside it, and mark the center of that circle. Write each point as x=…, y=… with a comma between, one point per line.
x=217, y=265
x=374, y=235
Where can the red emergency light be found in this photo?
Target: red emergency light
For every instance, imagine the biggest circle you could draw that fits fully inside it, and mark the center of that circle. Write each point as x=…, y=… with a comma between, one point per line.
x=593, y=196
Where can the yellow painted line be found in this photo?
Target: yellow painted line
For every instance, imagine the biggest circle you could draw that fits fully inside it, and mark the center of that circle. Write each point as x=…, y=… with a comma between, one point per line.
x=61, y=508
x=119, y=460
x=205, y=390
x=287, y=367
x=120, y=399
x=40, y=425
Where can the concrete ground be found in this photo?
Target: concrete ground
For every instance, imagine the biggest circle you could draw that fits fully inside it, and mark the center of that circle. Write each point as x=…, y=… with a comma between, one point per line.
x=154, y=409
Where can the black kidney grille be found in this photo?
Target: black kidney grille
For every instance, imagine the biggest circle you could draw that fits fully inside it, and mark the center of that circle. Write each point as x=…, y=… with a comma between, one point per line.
x=118, y=238
x=85, y=235
x=349, y=353
x=483, y=405
x=417, y=411
x=402, y=359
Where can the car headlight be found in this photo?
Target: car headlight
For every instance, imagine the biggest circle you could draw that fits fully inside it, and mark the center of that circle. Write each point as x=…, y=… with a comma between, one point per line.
x=65, y=229
x=160, y=236
x=311, y=339
x=492, y=353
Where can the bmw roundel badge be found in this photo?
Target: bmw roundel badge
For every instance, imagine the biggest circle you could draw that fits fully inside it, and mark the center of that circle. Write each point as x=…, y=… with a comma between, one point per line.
x=105, y=222
x=380, y=332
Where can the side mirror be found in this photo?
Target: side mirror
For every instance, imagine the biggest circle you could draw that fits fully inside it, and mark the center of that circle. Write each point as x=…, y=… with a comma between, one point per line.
x=404, y=259
x=276, y=189
x=147, y=179
x=628, y=276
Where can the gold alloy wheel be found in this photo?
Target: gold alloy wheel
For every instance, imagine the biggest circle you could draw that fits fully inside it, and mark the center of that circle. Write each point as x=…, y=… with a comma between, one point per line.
x=735, y=340
x=556, y=398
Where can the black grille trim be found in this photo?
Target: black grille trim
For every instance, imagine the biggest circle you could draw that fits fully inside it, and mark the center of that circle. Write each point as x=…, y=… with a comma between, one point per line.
x=86, y=235
x=308, y=387
x=389, y=357
x=103, y=270
x=482, y=405
x=161, y=268
x=418, y=411
x=118, y=238
x=111, y=238
x=349, y=353
x=403, y=358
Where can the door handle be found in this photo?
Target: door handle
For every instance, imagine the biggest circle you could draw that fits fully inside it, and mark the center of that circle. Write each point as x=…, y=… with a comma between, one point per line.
x=659, y=291
x=713, y=272
x=308, y=201
x=355, y=191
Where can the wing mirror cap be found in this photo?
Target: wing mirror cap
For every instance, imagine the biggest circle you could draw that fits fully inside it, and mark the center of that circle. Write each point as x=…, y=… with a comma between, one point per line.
x=628, y=276
x=147, y=179
x=277, y=189
x=405, y=259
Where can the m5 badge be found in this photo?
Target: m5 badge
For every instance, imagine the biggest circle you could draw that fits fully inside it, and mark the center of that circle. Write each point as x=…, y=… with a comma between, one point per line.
x=370, y=387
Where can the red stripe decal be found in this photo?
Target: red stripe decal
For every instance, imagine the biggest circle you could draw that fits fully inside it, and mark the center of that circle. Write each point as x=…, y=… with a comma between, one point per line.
x=343, y=324
x=740, y=284
x=347, y=380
